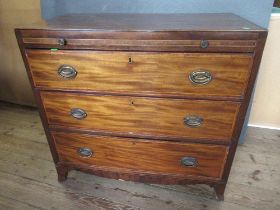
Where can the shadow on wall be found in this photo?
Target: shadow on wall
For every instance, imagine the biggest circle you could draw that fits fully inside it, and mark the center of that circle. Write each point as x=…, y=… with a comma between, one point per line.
x=14, y=84
x=276, y=3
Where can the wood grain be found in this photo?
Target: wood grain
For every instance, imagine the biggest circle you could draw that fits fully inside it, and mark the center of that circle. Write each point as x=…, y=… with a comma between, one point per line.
x=21, y=131
x=144, y=45
x=142, y=155
x=142, y=116
x=159, y=74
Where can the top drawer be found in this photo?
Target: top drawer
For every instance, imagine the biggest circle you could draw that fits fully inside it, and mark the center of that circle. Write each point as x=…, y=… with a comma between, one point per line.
x=212, y=75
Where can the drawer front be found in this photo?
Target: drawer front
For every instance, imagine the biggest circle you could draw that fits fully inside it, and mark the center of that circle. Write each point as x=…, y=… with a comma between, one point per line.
x=159, y=74
x=143, y=155
x=143, y=45
x=137, y=116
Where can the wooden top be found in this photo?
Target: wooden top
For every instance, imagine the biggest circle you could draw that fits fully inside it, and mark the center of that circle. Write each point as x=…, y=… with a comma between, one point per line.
x=151, y=22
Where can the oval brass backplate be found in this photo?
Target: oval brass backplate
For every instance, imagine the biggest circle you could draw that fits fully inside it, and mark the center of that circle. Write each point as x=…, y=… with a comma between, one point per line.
x=200, y=77
x=193, y=121
x=189, y=161
x=78, y=113
x=67, y=72
x=84, y=152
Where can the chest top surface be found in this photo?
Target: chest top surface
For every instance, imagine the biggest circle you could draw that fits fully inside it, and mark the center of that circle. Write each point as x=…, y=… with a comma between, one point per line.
x=150, y=22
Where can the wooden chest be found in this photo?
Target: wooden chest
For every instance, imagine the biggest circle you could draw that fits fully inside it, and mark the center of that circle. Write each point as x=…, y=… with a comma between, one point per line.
x=148, y=98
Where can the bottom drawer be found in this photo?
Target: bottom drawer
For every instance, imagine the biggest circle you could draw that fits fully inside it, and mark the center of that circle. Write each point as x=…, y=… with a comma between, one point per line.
x=143, y=155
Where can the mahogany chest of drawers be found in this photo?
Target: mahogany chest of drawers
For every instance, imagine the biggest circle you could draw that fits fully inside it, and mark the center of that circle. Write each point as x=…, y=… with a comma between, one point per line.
x=148, y=98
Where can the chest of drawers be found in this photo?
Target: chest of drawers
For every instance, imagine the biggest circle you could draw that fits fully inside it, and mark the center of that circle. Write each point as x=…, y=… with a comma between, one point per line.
x=148, y=98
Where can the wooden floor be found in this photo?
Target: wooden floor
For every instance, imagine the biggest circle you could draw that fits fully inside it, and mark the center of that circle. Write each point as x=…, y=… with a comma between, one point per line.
x=28, y=177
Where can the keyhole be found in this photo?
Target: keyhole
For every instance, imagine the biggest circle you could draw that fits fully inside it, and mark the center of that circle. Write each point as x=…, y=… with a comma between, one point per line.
x=129, y=60
x=131, y=102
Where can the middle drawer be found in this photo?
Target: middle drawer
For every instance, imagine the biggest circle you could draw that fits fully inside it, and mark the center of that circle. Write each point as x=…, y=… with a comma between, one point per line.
x=176, y=119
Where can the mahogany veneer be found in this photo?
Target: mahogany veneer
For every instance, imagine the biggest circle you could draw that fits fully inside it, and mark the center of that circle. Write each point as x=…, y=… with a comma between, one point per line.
x=156, y=98
x=145, y=75
x=143, y=155
x=139, y=116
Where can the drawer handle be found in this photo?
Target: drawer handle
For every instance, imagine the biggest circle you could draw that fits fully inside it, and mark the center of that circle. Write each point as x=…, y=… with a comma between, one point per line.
x=84, y=152
x=193, y=121
x=189, y=161
x=61, y=42
x=204, y=44
x=78, y=113
x=200, y=77
x=67, y=72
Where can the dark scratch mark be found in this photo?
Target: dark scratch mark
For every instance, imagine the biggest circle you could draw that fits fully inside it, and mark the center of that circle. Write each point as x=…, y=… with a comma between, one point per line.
x=118, y=189
x=252, y=158
x=143, y=196
x=255, y=174
x=169, y=202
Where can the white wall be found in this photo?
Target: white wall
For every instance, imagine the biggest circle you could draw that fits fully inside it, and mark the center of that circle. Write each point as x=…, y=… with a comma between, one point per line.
x=266, y=102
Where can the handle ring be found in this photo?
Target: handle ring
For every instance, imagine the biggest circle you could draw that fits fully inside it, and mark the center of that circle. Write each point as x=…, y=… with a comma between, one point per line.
x=189, y=161
x=67, y=72
x=78, y=113
x=193, y=121
x=200, y=77
x=84, y=152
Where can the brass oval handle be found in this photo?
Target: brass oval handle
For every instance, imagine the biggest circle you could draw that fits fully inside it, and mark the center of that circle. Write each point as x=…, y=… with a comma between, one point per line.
x=189, y=161
x=67, y=72
x=78, y=113
x=204, y=44
x=200, y=77
x=84, y=152
x=193, y=121
x=61, y=42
